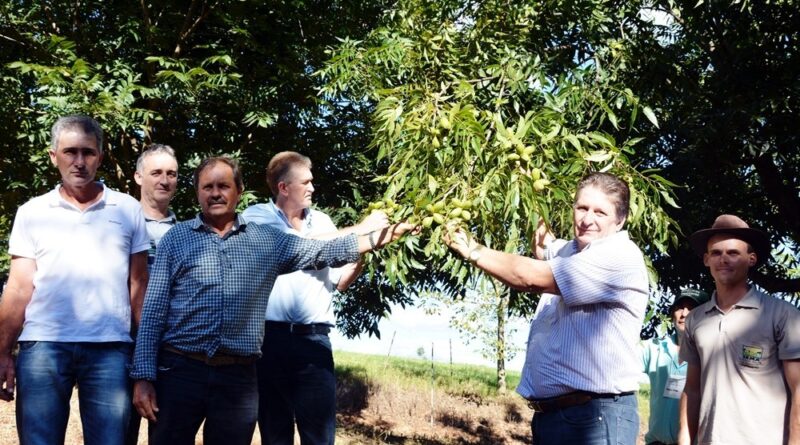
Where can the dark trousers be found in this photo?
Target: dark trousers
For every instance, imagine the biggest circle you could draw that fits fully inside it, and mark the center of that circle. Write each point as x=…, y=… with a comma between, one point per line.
x=296, y=383
x=189, y=391
x=601, y=421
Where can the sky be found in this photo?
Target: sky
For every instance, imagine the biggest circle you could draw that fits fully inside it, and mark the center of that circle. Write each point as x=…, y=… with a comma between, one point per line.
x=412, y=328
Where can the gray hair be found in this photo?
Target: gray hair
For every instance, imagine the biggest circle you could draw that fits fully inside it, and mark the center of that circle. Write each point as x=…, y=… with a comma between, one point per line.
x=153, y=149
x=76, y=122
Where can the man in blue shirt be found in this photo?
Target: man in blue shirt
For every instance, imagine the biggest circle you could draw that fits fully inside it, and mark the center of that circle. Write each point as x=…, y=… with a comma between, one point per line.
x=203, y=319
x=667, y=373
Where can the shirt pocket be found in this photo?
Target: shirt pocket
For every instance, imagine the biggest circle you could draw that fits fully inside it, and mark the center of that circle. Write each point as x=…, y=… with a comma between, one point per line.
x=755, y=354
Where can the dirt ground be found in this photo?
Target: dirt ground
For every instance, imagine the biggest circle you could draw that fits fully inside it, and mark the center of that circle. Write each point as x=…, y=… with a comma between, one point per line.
x=384, y=415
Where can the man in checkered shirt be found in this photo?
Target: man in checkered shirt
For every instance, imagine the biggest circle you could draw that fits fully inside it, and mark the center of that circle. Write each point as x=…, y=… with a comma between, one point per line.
x=203, y=317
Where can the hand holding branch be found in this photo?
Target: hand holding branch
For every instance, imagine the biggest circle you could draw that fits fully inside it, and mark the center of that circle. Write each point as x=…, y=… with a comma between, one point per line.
x=379, y=238
x=460, y=241
x=377, y=220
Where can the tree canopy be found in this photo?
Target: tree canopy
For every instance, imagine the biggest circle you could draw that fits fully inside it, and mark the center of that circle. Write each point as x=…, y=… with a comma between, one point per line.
x=484, y=113
x=724, y=79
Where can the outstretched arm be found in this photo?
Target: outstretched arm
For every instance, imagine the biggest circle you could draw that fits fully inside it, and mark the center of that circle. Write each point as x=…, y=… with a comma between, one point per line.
x=521, y=273
x=373, y=222
x=379, y=238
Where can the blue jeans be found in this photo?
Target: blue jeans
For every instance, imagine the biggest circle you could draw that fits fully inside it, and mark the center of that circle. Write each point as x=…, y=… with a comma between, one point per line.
x=46, y=374
x=189, y=391
x=296, y=383
x=602, y=421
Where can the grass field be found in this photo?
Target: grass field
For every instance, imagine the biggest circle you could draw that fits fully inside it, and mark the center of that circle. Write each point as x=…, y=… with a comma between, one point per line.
x=388, y=400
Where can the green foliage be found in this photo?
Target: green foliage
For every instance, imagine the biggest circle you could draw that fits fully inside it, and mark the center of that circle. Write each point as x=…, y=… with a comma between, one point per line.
x=206, y=78
x=724, y=80
x=480, y=127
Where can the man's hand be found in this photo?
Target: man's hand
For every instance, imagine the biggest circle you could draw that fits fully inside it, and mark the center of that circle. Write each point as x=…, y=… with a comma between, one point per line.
x=144, y=399
x=377, y=220
x=379, y=238
x=459, y=240
x=7, y=377
x=394, y=232
x=542, y=237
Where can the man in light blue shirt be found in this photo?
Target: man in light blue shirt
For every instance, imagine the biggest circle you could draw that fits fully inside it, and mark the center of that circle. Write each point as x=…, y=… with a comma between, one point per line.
x=667, y=373
x=582, y=364
x=296, y=373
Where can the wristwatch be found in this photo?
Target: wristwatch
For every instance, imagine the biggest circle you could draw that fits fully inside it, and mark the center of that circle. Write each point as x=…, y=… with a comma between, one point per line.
x=475, y=254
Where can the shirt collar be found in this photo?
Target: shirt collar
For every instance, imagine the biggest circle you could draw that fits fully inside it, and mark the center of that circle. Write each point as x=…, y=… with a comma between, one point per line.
x=306, y=216
x=621, y=235
x=198, y=224
x=55, y=199
x=751, y=300
x=171, y=218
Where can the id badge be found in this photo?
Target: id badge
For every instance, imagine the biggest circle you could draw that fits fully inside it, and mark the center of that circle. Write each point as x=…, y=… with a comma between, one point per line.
x=674, y=386
x=751, y=356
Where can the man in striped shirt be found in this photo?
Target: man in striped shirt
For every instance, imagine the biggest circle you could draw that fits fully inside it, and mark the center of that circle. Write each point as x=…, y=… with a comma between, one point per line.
x=582, y=365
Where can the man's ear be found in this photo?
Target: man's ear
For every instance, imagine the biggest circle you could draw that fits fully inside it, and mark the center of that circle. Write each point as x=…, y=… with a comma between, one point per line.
x=282, y=188
x=138, y=178
x=705, y=259
x=753, y=258
x=621, y=224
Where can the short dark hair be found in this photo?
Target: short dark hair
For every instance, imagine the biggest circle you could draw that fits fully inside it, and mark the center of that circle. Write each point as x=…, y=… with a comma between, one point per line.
x=280, y=165
x=76, y=122
x=153, y=149
x=615, y=188
x=210, y=162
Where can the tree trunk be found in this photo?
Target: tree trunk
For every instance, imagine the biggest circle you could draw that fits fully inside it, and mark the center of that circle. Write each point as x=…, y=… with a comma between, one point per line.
x=502, y=314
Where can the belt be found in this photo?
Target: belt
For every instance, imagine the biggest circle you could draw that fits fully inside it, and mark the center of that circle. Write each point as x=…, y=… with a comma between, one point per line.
x=299, y=329
x=219, y=359
x=567, y=400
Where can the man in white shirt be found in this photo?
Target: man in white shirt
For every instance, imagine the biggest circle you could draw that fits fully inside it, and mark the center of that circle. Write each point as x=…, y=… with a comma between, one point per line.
x=75, y=289
x=295, y=374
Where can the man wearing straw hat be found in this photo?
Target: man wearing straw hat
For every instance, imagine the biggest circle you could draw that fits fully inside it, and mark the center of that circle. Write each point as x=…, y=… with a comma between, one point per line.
x=743, y=348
